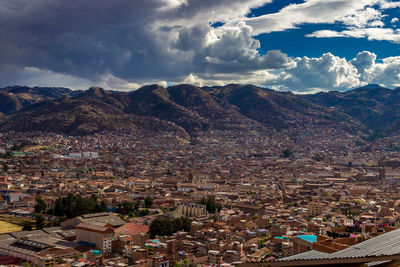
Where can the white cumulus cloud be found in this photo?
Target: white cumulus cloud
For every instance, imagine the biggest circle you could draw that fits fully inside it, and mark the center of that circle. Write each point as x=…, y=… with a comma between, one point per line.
x=325, y=72
x=122, y=44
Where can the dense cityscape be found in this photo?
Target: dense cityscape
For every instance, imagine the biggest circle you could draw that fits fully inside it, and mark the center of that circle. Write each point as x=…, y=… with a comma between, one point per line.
x=119, y=200
x=199, y=133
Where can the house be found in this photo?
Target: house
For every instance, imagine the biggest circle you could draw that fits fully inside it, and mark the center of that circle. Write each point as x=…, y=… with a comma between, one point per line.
x=20, y=212
x=95, y=235
x=382, y=250
x=138, y=232
x=101, y=217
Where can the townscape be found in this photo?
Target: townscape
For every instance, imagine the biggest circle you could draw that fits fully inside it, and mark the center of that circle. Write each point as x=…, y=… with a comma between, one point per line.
x=199, y=133
x=161, y=200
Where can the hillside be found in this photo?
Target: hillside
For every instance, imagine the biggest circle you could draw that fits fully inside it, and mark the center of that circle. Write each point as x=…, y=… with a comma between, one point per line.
x=374, y=106
x=192, y=110
x=15, y=98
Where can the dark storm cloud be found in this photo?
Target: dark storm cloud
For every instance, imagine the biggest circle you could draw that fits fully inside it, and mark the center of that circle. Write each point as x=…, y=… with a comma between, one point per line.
x=121, y=44
x=133, y=40
x=82, y=38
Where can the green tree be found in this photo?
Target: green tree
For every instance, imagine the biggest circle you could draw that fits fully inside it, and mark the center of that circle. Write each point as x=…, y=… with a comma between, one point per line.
x=287, y=153
x=144, y=212
x=211, y=205
x=103, y=206
x=126, y=207
x=148, y=202
x=167, y=226
x=27, y=226
x=350, y=164
x=72, y=205
x=40, y=205
x=39, y=221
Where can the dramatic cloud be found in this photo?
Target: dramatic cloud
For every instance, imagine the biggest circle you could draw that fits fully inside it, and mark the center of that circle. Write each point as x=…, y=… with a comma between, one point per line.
x=386, y=72
x=130, y=39
x=350, y=12
x=332, y=72
x=123, y=44
x=261, y=78
x=364, y=62
x=379, y=34
x=364, y=22
x=328, y=71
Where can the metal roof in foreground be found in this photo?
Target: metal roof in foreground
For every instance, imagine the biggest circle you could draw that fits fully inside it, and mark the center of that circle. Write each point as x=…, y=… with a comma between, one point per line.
x=385, y=247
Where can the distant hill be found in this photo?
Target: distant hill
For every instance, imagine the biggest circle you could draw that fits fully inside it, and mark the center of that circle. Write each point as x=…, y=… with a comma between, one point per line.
x=376, y=107
x=15, y=98
x=190, y=110
x=91, y=111
x=282, y=110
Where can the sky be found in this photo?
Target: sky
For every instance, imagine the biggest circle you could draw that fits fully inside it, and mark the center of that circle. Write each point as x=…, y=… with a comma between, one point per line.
x=300, y=45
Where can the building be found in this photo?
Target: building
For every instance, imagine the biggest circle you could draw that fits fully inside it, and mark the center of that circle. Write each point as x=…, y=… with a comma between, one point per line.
x=95, y=235
x=138, y=232
x=315, y=208
x=94, y=218
x=302, y=243
x=382, y=250
x=159, y=261
x=39, y=253
x=191, y=210
x=214, y=257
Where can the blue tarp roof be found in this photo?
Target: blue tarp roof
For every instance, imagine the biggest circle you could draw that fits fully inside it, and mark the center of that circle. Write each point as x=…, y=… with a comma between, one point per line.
x=308, y=238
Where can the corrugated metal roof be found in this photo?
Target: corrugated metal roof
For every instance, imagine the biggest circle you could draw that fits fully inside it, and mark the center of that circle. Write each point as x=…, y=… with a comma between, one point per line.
x=374, y=263
x=382, y=245
x=308, y=255
x=387, y=244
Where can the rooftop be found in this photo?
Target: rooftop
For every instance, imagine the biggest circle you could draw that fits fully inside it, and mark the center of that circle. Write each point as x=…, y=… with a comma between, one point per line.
x=308, y=238
x=132, y=229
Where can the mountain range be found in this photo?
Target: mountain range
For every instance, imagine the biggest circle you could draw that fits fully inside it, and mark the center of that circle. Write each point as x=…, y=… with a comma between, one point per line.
x=189, y=110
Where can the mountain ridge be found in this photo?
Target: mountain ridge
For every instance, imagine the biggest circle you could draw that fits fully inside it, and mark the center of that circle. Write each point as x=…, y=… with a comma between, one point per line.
x=191, y=110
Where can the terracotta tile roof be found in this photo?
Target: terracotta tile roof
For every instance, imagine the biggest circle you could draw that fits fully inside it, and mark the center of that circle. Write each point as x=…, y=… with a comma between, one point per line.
x=132, y=229
x=95, y=228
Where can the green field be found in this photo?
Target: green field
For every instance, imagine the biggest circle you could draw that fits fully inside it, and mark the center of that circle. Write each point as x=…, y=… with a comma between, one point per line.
x=12, y=219
x=6, y=227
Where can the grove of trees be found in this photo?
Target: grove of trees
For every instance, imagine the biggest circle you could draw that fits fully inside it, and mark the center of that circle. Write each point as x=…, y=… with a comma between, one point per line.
x=76, y=205
x=166, y=226
x=132, y=209
x=40, y=205
x=211, y=205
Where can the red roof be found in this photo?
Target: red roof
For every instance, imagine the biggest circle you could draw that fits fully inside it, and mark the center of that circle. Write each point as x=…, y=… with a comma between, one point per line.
x=105, y=229
x=132, y=229
x=7, y=260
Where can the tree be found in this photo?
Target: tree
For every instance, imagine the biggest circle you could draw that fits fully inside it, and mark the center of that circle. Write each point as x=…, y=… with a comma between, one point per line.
x=349, y=164
x=27, y=226
x=148, y=202
x=103, y=206
x=167, y=226
x=76, y=205
x=287, y=153
x=40, y=205
x=132, y=209
x=126, y=208
x=39, y=221
x=144, y=212
x=211, y=205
